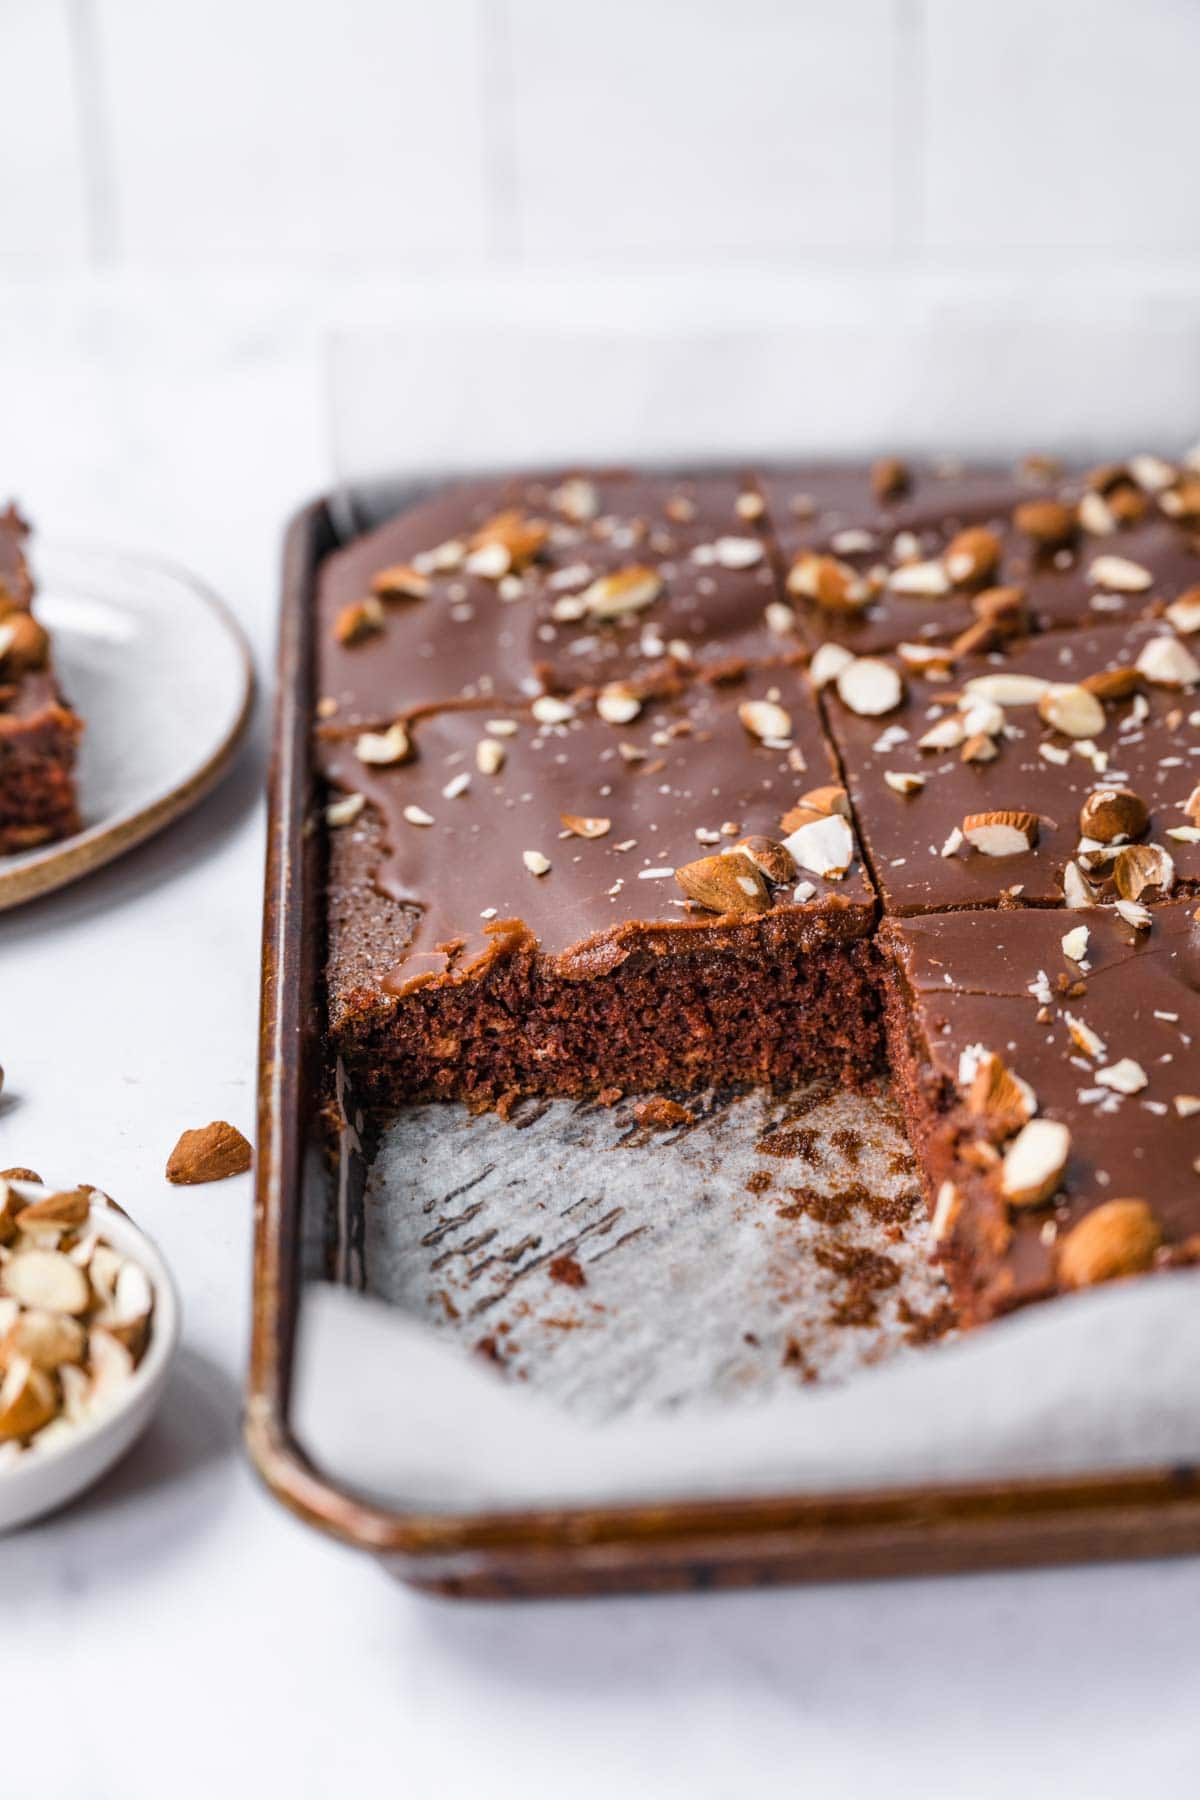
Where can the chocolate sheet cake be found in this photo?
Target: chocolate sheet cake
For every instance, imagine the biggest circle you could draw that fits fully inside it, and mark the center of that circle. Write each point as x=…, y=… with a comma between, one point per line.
x=38, y=730
x=642, y=783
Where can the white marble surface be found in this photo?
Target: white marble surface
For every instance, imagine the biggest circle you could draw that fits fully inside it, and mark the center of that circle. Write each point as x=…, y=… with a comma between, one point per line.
x=177, y=1634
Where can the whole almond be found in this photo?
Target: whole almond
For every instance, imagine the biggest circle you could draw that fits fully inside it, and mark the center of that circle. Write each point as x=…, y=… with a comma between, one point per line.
x=1111, y=813
x=1117, y=1238
x=972, y=556
x=1049, y=523
x=725, y=884
x=890, y=478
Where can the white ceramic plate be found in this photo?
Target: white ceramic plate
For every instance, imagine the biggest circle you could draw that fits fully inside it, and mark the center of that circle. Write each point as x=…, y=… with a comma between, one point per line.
x=43, y=1479
x=162, y=677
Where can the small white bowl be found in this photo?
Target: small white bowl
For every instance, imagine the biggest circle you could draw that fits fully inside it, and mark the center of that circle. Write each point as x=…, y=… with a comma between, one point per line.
x=41, y=1480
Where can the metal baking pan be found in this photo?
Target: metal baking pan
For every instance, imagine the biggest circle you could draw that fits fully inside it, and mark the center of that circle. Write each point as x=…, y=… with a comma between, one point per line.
x=318, y=1221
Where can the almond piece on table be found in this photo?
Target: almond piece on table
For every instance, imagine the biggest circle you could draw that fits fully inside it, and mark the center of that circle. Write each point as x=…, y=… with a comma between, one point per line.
x=1035, y=1162
x=1117, y=1238
x=1001, y=833
x=209, y=1153
x=725, y=884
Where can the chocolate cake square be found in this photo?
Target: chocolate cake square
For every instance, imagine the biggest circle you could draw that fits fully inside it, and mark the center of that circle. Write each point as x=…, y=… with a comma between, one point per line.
x=1047, y=1065
x=545, y=897
x=38, y=730
x=1061, y=772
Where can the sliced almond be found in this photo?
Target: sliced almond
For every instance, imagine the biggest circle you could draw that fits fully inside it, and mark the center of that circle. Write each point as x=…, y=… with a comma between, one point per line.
x=617, y=705
x=61, y=1212
x=1001, y=833
x=1035, y=1162
x=1142, y=870
x=1000, y=1096
x=833, y=585
x=506, y=544
x=381, y=749
x=1086, y=1041
x=946, y=1211
x=345, y=810
x=623, y=592
x=870, y=687
x=725, y=884
x=47, y=1339
x=1166, y=662
x=1116, y=1238
x=111, y=1363
x=401, y=582
x=1123, y=1077
x=828, y=663
x=1007, y=688
x=209, y=1153
x=944, y=734
x=1071, y=709
x=928, y=580
x=28, y=1399
x=979, y=748
x=823, y=846
x=1184, y=613
x=1119, y=575
x=738, y=552
x=581, y=826
x=934, y=661
x=827, y=799
x=46, y=1279
x=765, y=720
x=1134, y=913
x=904, y=781
x=359, y=620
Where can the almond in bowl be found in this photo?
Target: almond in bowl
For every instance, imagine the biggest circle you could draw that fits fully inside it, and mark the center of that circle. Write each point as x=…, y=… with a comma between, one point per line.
x=88, y=1329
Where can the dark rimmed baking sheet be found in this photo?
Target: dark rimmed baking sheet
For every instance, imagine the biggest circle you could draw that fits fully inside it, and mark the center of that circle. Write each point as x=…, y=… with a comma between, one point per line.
x=371, y=1225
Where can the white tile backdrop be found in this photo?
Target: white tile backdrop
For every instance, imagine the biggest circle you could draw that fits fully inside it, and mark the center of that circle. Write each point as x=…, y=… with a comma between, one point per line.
x=409, y=133
x=985, y=210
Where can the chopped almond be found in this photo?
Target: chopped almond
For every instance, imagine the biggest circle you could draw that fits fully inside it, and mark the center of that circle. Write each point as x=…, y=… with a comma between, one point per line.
x=209, y=1153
